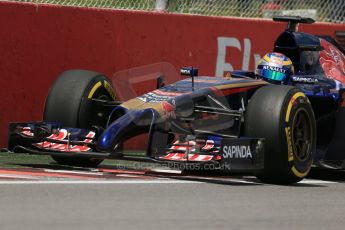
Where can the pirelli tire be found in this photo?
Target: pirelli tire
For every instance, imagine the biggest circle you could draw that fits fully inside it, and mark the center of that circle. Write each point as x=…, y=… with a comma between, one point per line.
x=67, y=103
x=283, y=116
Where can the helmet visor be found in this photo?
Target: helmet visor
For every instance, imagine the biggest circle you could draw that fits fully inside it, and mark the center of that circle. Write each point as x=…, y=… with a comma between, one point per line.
x=273, y=75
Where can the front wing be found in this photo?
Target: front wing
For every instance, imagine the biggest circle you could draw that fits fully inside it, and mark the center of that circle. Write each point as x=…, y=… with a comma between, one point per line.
x=52, y=139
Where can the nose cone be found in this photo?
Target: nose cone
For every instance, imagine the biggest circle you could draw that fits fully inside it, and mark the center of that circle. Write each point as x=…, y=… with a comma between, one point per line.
x=130, y=124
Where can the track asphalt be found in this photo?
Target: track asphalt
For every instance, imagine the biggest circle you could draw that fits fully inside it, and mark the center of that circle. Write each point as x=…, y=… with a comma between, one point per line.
x=40, y=195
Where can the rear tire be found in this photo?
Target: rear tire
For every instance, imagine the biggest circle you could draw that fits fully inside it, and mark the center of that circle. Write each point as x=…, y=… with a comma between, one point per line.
x=284, y=117
x=66, y=103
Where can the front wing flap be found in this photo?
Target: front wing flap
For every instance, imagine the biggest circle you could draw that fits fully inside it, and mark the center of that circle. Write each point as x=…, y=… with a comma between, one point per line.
x=228, y=153
x=49, y=136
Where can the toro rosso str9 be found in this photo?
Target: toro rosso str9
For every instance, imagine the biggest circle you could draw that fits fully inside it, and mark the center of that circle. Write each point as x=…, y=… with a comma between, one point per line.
x=237, y=122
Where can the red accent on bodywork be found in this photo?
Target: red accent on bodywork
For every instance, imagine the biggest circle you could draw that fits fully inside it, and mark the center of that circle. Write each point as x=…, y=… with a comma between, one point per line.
x=27, y=132
x=169, y=109
x=61, y=135
x=342, y=96
x=332, y=62
x=191, y=157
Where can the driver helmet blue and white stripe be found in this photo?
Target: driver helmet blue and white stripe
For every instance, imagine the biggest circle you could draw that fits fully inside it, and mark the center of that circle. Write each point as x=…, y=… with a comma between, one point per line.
x=275, y=68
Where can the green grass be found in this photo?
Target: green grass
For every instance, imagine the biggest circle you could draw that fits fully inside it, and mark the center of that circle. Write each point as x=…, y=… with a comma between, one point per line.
x=22, y=160
x=15, y=160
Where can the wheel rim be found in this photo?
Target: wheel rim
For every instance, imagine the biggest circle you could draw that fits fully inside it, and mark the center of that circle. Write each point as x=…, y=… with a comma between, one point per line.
x=98, y=118
x=301, y=135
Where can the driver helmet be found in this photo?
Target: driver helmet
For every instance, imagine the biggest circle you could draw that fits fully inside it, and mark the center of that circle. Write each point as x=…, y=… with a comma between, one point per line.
x=275, y=68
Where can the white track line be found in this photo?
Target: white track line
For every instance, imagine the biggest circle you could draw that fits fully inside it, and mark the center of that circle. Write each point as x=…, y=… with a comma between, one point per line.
x=74, y=172
x=167, y=171
x=243, y=181
x=311, y=181
x=18, y=176
x=99, y=182
x=128, y=175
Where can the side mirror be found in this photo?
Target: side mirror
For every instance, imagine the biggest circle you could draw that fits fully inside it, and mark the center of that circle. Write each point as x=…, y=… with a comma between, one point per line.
x=160, y=81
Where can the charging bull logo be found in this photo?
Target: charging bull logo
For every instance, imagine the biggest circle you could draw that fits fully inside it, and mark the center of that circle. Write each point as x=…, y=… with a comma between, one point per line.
x=169, y=109
x=332, y=62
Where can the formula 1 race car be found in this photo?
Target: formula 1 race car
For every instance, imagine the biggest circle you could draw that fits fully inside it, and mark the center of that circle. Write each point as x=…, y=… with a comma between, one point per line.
x=236, y=122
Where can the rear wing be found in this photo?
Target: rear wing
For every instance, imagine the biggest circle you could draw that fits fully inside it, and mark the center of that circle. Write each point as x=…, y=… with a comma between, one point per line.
x=293, y=21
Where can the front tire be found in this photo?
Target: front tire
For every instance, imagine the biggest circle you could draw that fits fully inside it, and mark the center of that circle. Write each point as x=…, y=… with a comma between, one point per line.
x=284, y=117
x=68, y=103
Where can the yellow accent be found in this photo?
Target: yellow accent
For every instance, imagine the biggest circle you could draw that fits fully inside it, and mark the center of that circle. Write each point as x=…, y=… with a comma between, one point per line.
x=136, y=103
x=266, y=58
x=287, y=62
x=293, y=98
x=289, y=143
x=109, y=89
x=287, y=132
x=230, y=86
x=299, y=174
x=94, y=88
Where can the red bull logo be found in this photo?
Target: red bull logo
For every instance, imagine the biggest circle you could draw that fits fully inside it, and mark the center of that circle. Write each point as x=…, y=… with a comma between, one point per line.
x=332, y=62
x=169, y=109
